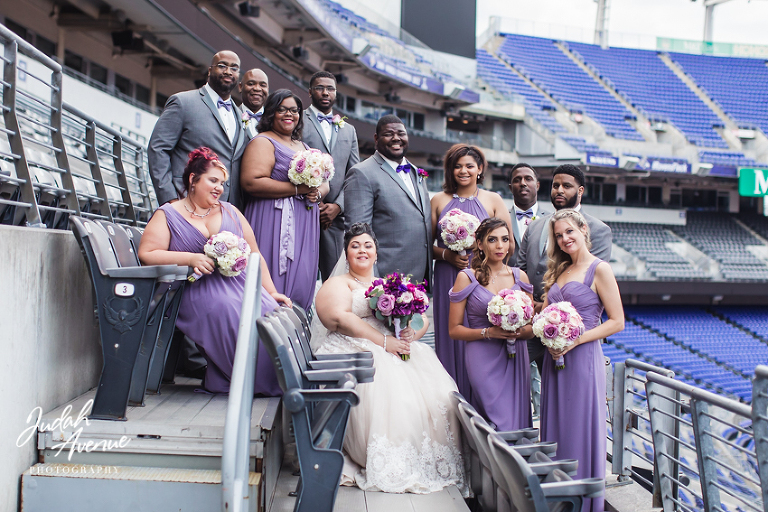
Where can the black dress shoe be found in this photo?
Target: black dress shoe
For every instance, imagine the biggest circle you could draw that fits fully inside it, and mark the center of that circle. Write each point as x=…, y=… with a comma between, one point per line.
x=198, y=373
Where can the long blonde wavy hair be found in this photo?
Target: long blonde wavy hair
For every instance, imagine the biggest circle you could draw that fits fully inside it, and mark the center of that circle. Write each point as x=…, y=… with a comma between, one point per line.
x=558, y=260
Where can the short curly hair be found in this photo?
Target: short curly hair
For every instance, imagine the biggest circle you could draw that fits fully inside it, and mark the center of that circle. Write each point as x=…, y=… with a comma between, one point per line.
x=200, y=161
x=357, y=229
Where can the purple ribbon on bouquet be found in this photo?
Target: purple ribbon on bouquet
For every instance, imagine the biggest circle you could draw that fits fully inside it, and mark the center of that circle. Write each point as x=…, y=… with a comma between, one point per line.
x=511, y=349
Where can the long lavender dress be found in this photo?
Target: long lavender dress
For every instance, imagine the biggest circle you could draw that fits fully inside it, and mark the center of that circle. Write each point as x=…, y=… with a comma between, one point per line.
x=209, y=313
x=573, y=399
x=501, y=386
x=449, y=351
x=288, y=234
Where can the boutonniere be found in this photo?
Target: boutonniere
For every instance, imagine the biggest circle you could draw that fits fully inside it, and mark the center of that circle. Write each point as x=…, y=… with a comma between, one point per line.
x=245, y=117
x=422, y=174
x=339, y=122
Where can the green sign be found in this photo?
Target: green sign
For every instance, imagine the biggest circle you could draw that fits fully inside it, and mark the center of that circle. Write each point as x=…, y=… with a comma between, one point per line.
x=753, y=182
x=668, y=44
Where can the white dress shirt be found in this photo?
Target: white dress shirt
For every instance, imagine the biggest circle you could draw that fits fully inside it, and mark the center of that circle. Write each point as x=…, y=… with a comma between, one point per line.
x=522, y=225
x=326, y=128
x=228, y=116
x=405, y=176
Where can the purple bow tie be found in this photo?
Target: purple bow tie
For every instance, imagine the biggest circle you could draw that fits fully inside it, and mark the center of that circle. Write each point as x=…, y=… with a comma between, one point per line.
x=226, y=104
x=328, y=119
x=527, y=213
x=256, y=116
x=404, y=168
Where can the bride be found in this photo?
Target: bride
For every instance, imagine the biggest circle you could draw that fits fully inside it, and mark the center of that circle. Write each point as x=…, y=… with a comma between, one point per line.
x=404, y=435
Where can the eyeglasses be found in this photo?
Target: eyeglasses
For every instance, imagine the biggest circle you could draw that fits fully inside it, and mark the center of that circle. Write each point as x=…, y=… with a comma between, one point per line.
x=321, y=89
x=293, y=110
x=223, y=67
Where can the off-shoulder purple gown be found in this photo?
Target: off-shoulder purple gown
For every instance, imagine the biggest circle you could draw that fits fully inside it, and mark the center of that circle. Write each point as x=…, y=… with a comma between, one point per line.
x=573, y=404
x=288, y=234
x=501, y=386
x=449, y=351
x=209, y=313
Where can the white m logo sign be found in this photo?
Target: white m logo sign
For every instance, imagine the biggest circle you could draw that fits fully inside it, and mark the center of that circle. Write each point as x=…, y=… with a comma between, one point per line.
x=761, y=183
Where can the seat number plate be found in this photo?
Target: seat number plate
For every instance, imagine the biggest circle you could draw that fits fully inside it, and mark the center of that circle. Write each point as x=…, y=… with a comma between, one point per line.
x=124, y=290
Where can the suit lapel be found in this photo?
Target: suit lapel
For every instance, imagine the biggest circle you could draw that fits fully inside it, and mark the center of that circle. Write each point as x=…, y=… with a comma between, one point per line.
x=215, y=111
x=515, y=229
x=544, y=237
x=316, y=124
x=239, y=129
x=393, y=174
x=334, y=135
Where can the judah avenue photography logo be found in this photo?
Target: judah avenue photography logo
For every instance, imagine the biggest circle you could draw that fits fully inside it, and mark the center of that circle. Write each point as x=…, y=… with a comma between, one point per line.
x=69, y=430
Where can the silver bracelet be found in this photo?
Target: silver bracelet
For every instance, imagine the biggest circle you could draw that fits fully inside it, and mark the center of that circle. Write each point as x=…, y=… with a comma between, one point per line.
x=319, y=196
x=443, y=255
x=483, y=333
x=385, y=343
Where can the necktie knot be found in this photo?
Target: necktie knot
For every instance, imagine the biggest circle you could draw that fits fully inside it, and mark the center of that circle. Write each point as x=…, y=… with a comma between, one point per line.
x=404, y=168
x=327, y=118
x=226, y=104
x=527, y=213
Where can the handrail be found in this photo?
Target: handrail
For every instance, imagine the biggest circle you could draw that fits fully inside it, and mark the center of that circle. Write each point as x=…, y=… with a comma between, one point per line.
x=29, y=50
x=237, y=426
x=702, y=394
x=101, y=126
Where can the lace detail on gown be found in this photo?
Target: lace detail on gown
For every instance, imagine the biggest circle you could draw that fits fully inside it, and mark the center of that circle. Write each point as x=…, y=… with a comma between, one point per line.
x=404, y=435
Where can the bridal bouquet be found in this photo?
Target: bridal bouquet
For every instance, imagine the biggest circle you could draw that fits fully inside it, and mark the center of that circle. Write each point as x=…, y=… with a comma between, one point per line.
x=458, y=230
x=311, y=167
x=229, y=253
x=398, y=302
x=510, y=310
x=558, y=326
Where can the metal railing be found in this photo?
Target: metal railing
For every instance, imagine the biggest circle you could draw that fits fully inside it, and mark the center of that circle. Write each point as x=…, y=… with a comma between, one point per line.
x=56, y=161
x=707, y=452
x=237, y=426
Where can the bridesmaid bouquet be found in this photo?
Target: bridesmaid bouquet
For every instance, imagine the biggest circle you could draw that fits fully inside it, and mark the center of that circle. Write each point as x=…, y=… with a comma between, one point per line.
x=510, y=310
x=558, y=326
x=458, y=230
x=398, y=302
x=229, y=253
x=311, y=167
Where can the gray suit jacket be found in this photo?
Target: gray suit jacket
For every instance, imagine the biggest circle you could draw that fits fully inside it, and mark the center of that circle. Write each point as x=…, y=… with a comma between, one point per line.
x=402, y=224
x=344, y=149
x=191, y=120
x=532, y=258
x=516, y=232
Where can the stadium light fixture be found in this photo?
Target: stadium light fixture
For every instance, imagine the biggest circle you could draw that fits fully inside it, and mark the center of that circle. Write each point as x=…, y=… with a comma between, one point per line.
x=703, y=169
x=248, y=10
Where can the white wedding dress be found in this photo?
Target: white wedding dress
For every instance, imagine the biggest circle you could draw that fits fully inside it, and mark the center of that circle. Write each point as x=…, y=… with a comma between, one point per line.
x=404, y=435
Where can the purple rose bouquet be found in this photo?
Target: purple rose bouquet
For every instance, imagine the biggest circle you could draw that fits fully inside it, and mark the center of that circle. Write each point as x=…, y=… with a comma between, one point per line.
x=398, y=302
x=311, y=167
x=229, y=253
x=558, y=326
x=510, y=310
x=458, y=230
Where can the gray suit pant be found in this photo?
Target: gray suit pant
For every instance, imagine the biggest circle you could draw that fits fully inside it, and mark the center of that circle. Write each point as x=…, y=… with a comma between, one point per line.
x=331, y=245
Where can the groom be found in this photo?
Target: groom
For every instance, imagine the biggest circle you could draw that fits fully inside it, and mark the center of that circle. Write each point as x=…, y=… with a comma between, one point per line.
x=392, y=197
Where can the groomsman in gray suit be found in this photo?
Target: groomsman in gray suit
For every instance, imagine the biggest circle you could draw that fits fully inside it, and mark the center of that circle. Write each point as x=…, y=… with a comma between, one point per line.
x=392, y=196
x=524, y=185
x=330, y=134
x=254, y=89
x=567, y=189
x=203, y=117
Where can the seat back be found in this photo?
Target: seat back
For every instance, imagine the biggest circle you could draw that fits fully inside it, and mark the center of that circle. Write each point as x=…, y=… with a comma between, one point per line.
x=475, y=473
x=294, y=331
x=304, y=319
x=303, y=330
x=121, y=244
x=134, y=234
x=517, y=480
x=94, y=240
x=280, y=351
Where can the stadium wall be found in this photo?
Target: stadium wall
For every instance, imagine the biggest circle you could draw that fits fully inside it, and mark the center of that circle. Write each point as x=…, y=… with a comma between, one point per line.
x=50, y=340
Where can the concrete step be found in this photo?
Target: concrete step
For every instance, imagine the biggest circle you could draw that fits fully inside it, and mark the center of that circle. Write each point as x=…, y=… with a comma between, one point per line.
x=95, y=488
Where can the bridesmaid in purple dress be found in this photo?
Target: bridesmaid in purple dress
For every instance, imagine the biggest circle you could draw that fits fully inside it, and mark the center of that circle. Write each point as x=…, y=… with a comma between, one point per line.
x=501, y=385
x=573, y=404
x=209, y=312
x=284, y=216
x=464, y=166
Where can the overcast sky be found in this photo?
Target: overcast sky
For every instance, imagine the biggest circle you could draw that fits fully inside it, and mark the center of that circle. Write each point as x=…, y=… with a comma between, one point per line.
x=737, y=21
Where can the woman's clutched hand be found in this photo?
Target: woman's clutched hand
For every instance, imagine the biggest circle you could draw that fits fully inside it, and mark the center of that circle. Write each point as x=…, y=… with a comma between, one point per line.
x=398, y=346
x=502, y=334
x=407, y=334
x=282, y=299
x=313, y=195
x=201, y=263
x=457, y=260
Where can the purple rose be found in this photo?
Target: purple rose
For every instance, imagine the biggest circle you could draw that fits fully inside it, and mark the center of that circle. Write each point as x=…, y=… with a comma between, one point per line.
x=573, y=334
x=512, y=317
x=220, y=248
x=242, y=245
x=564, y=316
x=461, y=233
x=528, y=311
x=450, y=239
x=550, y=331
x=495, y=319
x=301, y=165
x=239, y=264
x=386, y=304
